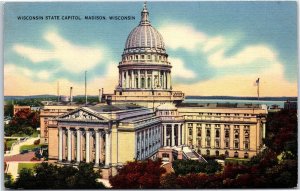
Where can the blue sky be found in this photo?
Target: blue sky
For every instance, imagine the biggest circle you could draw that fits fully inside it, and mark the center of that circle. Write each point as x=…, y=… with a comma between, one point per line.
x=216, y=48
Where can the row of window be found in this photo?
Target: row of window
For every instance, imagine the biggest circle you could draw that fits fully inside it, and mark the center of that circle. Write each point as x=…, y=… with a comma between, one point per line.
x=218, y=132
x=217, y=153
x=145, y=57
x=166, y=113
x=217, y=125
x=236, y=144
x=227, y=114
x=162, y=72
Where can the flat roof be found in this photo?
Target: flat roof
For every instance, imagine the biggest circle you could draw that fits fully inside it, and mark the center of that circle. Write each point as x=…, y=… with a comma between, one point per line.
x=219, y=105
x=116, y=107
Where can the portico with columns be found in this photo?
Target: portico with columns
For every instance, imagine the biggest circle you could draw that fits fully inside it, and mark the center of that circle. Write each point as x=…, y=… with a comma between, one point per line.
x=172, y=125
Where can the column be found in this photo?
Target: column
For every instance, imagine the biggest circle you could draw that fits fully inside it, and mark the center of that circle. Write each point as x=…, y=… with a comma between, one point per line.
x=120, y=78
x=69, y=145
x=60, y=144
x=132, y=79
x=97, y=148
x=107, y=148
x=100, y=145
x=179, y=134
x=78, y=133
x=144, y=135
x=159, y=82
x=173, y=136
x=166, y=78
x=152, y=79
x=264, y=130
x=139, y=79
x=127, y=79
x=87, y=144
x=170, y=79
x=165, y=135
x=146, y=80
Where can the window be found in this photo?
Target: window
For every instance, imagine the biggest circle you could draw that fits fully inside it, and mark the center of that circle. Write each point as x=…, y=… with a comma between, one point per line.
x=143, y=56
x=208, y=143
x=217, y=133
x=136, y=57
x=236, y=114
x=227, y=114
x=165, y=155
x=236, y=145
x=236, y=154
x=227, y=144
x=199, y=131
x=218, y=114
x=227, y=133
x=207, y=152
x=217, y=125
x=148, y=56
x=190, y=131
x=247, y=145
x=236, y=134
x=217, y=153
x=246, y=134
x=199, y=142
x=207, y=132
x=246, y=155
x=226, y=153
x=217, y=144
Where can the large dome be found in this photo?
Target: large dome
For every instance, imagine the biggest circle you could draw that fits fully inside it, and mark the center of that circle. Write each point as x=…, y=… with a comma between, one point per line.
x=144, y=37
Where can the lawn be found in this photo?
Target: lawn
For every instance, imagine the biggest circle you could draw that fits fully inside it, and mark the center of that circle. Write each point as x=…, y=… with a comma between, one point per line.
x=34, y=134
x=25, y=165
x=29, y=147
x=9, y=143
x=236, y=161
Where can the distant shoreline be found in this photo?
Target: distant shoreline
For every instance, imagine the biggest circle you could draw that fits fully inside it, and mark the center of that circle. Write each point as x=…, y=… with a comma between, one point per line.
x=283, y=98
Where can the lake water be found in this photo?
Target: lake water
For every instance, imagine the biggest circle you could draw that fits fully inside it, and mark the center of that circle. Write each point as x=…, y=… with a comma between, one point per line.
x=268, y=103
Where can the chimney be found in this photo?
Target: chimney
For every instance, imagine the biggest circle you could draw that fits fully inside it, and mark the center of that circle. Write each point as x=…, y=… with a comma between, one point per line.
x=71, y=95
x=100, y=96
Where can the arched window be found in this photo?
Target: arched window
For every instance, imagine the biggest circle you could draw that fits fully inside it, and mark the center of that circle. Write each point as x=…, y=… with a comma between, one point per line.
x=246, y=155
x=236, y=154
x=207, y=152
x=226, y=153
x=217, y=153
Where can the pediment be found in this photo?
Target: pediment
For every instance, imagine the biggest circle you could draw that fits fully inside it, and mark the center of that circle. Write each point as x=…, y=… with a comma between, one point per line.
x=81, y=114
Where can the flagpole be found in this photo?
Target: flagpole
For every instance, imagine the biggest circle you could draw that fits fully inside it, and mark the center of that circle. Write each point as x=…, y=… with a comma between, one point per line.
x=258, y=89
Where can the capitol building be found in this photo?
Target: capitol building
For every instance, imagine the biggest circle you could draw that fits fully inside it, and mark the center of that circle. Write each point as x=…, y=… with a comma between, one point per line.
x=145, y=118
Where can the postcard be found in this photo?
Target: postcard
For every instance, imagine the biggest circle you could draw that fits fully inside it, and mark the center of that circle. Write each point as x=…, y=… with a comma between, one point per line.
x=150, y=95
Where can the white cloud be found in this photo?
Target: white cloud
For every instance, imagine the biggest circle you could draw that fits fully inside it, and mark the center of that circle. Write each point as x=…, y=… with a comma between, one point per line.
x=71, y=57
x=22, y=84
x=182, y=36
x=248, y=55
x=213, y=43
x=179, y=69
x=44, y=75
